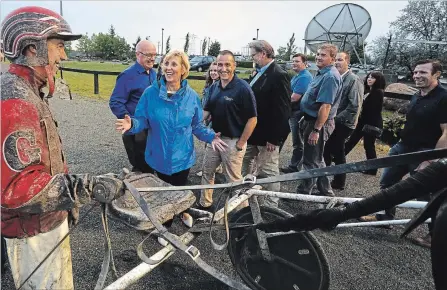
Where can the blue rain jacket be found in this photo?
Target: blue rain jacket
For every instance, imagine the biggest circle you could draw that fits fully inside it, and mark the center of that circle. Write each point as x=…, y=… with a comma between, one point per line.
x=172, y=122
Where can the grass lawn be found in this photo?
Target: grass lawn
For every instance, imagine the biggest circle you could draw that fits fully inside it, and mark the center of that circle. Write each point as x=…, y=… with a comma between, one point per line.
x=82, y=84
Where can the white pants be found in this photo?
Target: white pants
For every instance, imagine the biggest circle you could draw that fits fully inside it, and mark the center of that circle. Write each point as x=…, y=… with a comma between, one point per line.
x=25, y=254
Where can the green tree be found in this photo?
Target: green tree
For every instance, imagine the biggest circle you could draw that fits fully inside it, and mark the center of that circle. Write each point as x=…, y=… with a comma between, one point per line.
x=168, y=44
x=291, y=48
x=110, y=46
x=214, y=48
x=132, y=53
x=419, y=22
x=186, y=47
x=112, y=31
x=281, y=53
x=204, y=43
x=85, y=45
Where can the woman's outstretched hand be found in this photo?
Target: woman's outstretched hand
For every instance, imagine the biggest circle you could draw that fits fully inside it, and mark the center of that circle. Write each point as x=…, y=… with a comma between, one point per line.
x=123, y=125
x=218, y=143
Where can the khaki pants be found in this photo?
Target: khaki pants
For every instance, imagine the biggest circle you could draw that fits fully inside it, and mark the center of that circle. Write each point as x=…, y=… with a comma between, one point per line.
x=231, y=161
x=267, y=165
x=26, y=254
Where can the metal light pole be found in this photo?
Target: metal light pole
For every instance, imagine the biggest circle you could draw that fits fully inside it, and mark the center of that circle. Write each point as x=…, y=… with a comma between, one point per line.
x=162, y=30
x=62, y=14
x=257, y=33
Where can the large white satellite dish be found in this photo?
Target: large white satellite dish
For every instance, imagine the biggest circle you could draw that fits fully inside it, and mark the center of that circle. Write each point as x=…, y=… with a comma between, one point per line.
x=346, y=25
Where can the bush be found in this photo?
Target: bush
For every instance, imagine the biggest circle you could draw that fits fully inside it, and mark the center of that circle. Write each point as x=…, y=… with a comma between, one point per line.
x=245, y=64
x=392, y=126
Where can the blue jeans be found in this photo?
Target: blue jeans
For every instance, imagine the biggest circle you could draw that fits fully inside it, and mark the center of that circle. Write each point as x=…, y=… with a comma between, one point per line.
x=393, y=175
x=297, y=140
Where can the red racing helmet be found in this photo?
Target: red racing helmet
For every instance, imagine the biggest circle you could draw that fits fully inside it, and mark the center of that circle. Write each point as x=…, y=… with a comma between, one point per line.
x=32, y=25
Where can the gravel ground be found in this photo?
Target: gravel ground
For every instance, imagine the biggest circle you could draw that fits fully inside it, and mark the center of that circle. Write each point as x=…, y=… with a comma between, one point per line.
x=360, y=258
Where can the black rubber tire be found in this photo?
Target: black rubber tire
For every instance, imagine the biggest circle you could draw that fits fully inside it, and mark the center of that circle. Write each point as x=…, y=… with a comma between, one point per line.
x=237, y=248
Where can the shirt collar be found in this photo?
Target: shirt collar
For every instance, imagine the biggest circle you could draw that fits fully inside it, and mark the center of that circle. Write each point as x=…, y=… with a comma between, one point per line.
x=325, y=69
x=265, y=67
x=345, y=73
x=301, y=72
x=230, y=84
x=141, y=69
x=431, y=93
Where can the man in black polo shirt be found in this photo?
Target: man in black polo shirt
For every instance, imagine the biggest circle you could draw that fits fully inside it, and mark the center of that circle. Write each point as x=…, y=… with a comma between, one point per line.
x=232, y=107
x=425, y=129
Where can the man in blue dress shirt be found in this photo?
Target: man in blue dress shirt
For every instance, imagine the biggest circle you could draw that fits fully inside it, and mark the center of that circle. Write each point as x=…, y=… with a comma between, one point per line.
x=129, y=87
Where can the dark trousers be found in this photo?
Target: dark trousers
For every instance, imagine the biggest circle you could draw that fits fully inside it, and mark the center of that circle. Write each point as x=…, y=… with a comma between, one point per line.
x=297, y=142
x=369, y=143
x=335, y=148
x=313, y=157
x=135, y=147
x=177, y=179
x=4, y=255
x=393, y=175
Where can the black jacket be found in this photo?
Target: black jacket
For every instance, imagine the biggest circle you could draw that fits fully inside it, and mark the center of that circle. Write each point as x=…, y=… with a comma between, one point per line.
x=372, y=109
x=272, y=92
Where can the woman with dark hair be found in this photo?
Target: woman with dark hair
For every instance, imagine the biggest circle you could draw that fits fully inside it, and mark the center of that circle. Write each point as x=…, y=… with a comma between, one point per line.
x=370, y=122
x=211, y=77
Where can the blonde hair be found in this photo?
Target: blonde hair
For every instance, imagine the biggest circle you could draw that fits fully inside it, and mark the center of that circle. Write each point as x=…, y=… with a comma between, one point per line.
x=333, y=50
x=184, y=61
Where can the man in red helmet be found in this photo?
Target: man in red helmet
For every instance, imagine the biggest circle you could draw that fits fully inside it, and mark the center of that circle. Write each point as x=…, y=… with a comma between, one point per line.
x=37, y=193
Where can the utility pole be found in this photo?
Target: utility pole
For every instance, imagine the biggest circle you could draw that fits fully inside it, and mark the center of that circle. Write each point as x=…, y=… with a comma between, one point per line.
x=62, y=14
x=257, y=33
x=162, y=30
x=386, y=53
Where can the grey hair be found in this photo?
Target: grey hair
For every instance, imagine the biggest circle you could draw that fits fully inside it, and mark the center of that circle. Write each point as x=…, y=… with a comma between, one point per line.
x=262, y=46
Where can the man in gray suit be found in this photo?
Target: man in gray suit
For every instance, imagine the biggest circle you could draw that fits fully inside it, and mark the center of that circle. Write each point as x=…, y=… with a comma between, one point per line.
x=346, y=119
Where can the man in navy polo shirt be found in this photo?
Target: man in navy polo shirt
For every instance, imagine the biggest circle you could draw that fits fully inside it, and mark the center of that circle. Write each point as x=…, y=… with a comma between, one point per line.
x=300, y=82
x=425, y=128
x=232, y=107
x=319, y=106
x=129, y=87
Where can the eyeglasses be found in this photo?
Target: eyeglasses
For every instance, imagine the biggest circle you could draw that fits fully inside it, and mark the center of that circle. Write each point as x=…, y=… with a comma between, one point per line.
x=253, y=55
x=148, y=55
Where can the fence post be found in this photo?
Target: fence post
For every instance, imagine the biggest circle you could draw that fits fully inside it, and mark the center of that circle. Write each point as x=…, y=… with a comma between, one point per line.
x=96, y=83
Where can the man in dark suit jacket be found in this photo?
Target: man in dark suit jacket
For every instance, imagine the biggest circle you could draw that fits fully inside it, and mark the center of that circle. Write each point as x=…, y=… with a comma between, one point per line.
x=271, y=86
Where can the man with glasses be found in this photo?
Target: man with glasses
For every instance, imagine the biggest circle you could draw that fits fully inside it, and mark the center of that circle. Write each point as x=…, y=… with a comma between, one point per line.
x=300, y=82
x=129, y=87
x=271, y=86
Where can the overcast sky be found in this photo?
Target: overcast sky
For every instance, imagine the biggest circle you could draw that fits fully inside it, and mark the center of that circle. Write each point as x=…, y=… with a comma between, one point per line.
x=232, y=23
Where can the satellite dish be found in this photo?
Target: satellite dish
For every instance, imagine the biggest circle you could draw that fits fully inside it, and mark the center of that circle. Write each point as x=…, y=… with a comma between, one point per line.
x=345, y=25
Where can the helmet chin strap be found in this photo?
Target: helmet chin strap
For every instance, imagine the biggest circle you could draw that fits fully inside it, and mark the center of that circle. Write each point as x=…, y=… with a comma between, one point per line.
x=50, y=78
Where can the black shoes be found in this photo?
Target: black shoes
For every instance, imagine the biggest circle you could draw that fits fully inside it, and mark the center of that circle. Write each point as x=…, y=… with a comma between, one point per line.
x=337, y=185
x=370, y=172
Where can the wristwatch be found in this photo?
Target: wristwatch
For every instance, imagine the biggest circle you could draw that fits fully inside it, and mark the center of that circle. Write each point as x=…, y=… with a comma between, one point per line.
x=316, y=130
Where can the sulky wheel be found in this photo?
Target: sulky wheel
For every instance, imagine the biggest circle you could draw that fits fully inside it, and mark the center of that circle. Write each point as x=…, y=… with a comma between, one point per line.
x=298, y=262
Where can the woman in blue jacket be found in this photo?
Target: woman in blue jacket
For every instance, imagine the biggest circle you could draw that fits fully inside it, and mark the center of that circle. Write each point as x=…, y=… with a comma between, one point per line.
x=172, y=112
